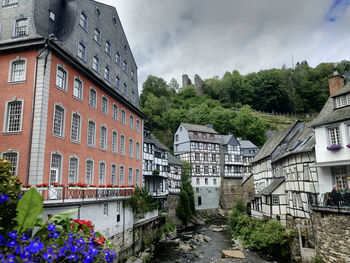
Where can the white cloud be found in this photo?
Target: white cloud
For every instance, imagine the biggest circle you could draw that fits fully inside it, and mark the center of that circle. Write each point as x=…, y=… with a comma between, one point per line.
x=170, y=38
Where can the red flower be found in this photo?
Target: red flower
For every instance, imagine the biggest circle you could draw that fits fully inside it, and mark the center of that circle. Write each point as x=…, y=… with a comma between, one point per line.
x=100, y=240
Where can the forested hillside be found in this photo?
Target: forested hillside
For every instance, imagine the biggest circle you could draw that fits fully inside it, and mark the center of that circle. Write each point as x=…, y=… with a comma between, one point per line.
x=225, y=102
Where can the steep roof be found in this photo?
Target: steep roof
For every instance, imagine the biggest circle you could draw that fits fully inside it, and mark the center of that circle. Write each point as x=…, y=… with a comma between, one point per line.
x=173, y=160
x=330, y=115
x=271, y=187
x=272, y=143
x=345, y=89
x=303, y=141
x=158, y=144
x=198, y=128
x=247, y=144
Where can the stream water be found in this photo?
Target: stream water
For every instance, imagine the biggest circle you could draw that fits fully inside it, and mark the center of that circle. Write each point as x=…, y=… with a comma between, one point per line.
x=167, y=251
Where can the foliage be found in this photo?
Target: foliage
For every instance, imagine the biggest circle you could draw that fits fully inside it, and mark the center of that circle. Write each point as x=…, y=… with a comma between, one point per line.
x=185, y=210
x=266, y=236
x=9, y=196
x=168, y=227
x=28, y=208
x=141, y=202
x=317, y=259
x=60, y=239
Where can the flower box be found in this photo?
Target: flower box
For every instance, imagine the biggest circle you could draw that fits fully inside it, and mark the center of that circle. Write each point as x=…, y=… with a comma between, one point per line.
x=334, y=147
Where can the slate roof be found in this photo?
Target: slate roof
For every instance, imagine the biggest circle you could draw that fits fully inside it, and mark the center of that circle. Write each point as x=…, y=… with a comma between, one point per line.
x=173, y=160
x=158, y=144
x=343, y=90
x=198, y=128
x=247, y=144
x=303, y=141
x=272, y=143
x=330, y=115
x=225, y=138
x=271, y=187
x=245, y=178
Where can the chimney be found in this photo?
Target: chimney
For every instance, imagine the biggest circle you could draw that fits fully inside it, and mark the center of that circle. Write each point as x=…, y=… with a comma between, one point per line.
x=335, y=82
x=209, y=125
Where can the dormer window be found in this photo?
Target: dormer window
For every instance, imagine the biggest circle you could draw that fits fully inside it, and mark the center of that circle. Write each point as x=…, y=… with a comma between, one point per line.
x=342, y=101
x=83, y=20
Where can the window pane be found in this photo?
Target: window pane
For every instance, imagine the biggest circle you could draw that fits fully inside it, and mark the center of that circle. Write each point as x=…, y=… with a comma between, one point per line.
x=18, y=71
x=12, y=158
x=21, y=27
x=61, y=78
x=89, y=172
x=122, y=145
x=103, y=138
x=102, y=174
x=115, y=112
x=91, y=134
x=75, y=132
x=14, y=113
x=58, y=121
x=121, y=175
x=130, y=177
x=92, y=100
x=73, y=170
x=114, y=142
x=78, y=88
x=114, y=175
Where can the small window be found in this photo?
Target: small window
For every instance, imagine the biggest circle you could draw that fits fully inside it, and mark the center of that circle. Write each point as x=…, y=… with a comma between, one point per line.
x=83, y=20
x=21, y=27
x=105, y=209
x=125, y=48
x=197, y=180
x=132, y=75
x=214, y=181
x=12, y=157
x=133, y=97
x=121, y=175
x=138, y=126
x=131, y=148
x=93, y=98
x=98, y=13
x=199, y=200
x=104, y=105
x=114, y=142
x=81, y=51
x=114, y=174
x=78, y=88
x=130, y=176
x=125, y=66
x=89, y=172
x=197, y=190
x=197, y=169
x=75, y=127
x=206, y=169
x=9, y=2
x=96, y=64
x=137, y=151
x=334, y=136
x=117, y=83
x=108, y=48
x=275, y=200
x=122, y=145
x=131, y=122
x=102, y=174
x=115, y=112
x=107, y=73
x=103, y=138
x=214, y=170
x=52, y=16
x=196, y=157
x=58, y=121
x=118, y=211
x=123, y=117
x=206, y=181
x=114, y=20
x=18, y=70
x=137, y=177
x=97, y=36
x=14, y=112
x=125, y=90
x=91, y=133
x=117, y=58
x=196, y=145
x=73, y=170
x=61, y=78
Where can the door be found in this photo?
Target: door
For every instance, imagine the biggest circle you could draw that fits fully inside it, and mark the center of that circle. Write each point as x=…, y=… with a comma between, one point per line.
x=53, y=193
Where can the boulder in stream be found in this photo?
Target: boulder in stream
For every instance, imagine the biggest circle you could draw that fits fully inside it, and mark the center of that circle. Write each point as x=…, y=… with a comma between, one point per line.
x=232, y=254
x=218, y=229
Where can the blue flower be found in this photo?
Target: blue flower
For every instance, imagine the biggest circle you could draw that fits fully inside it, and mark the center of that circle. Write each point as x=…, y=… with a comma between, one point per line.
x=26, y=254
x=35, y=246
x=3, y=198
x=11, y=258
x=12, y=243
x=51, y=227
x=13, y=234
x=24, y=237
x=80, y=241
x=73, y=257
x=54, y=235
x=93, y=251
x=1, y=240
x=19, y=197
x=49, y=255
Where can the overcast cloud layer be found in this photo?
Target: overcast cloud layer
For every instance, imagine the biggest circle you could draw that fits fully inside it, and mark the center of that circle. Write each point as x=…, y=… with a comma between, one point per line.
x=173, y=37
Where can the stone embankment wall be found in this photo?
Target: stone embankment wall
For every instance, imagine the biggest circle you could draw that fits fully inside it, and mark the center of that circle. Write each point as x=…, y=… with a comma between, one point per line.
x=170, y=206
x=332, y=230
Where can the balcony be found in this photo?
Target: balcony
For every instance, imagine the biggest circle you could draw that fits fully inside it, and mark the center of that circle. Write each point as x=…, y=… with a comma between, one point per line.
x=175, y=190
x=160, y=194
x=67, y=194
x=327, y=202
x=233, y=175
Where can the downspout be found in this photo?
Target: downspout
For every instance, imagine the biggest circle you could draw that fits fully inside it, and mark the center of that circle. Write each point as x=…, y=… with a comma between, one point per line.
x=33, y=108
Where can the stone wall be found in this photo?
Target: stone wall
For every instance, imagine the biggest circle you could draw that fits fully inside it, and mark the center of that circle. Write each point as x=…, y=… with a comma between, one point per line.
x=170, y=206
x=231, y=192
x=332, y=230
x=248, y=190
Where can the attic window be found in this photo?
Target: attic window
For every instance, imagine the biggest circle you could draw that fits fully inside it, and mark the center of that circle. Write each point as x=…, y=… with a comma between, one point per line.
x=52, y=16
x=97, y=11
x=342, y=101
x=114, y=20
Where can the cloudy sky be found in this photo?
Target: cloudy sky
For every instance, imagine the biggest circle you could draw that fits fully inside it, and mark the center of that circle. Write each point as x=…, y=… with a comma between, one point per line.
x=174, y=37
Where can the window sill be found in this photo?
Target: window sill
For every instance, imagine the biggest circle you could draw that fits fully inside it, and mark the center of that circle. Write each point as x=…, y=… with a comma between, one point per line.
x=91, y=146
x=94, y=107
x=10, y=5
x=64, y=90
x=17, y=82
x=58, y=136
x=11, y=133
x=26, y=35
x=79, y=99
x=104, y=150
x=77, y=142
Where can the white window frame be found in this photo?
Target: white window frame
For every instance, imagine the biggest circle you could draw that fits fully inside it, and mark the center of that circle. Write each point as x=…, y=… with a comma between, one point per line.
x=94, y=134
x=131, y=148
x=104, y=108
x=117, y=58
x=65, y=77
x=76, y=177
x=26, y=27
x=14, y=168
x=137, y=150
x=81, y=90
x=125, y=66
x=138, y=126
x=79, y=127
x=114, y=182
x=275, y=199
x=81, y=51
x=114, y=143
x=83, y=23
x=97, y=36
x=137, y=177
x=9, y=2
x=107, y=74
x=122, y=144
x=62, y=129
x=336, y=135
x=59, y=174
x=108, y=48
x=94, y=104
x=92, y=171
x=121, y=175
x=11, y=70
x=117, y=82
x=131, y=121
x=125, y=90
x=103, y=143
x=115, y=111
x=130, y=176
x=96, y=66
x=102, y=180
x=123, y=117
x=7, y=119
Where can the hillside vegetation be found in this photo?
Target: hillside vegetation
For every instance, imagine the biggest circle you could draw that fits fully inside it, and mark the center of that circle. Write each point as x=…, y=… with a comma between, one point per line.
x=233, y=103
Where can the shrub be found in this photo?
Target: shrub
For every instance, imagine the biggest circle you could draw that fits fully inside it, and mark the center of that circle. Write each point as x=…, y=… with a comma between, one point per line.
x=9, y=196
x=141, y=202
x=183, y=210
x=168, y=227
